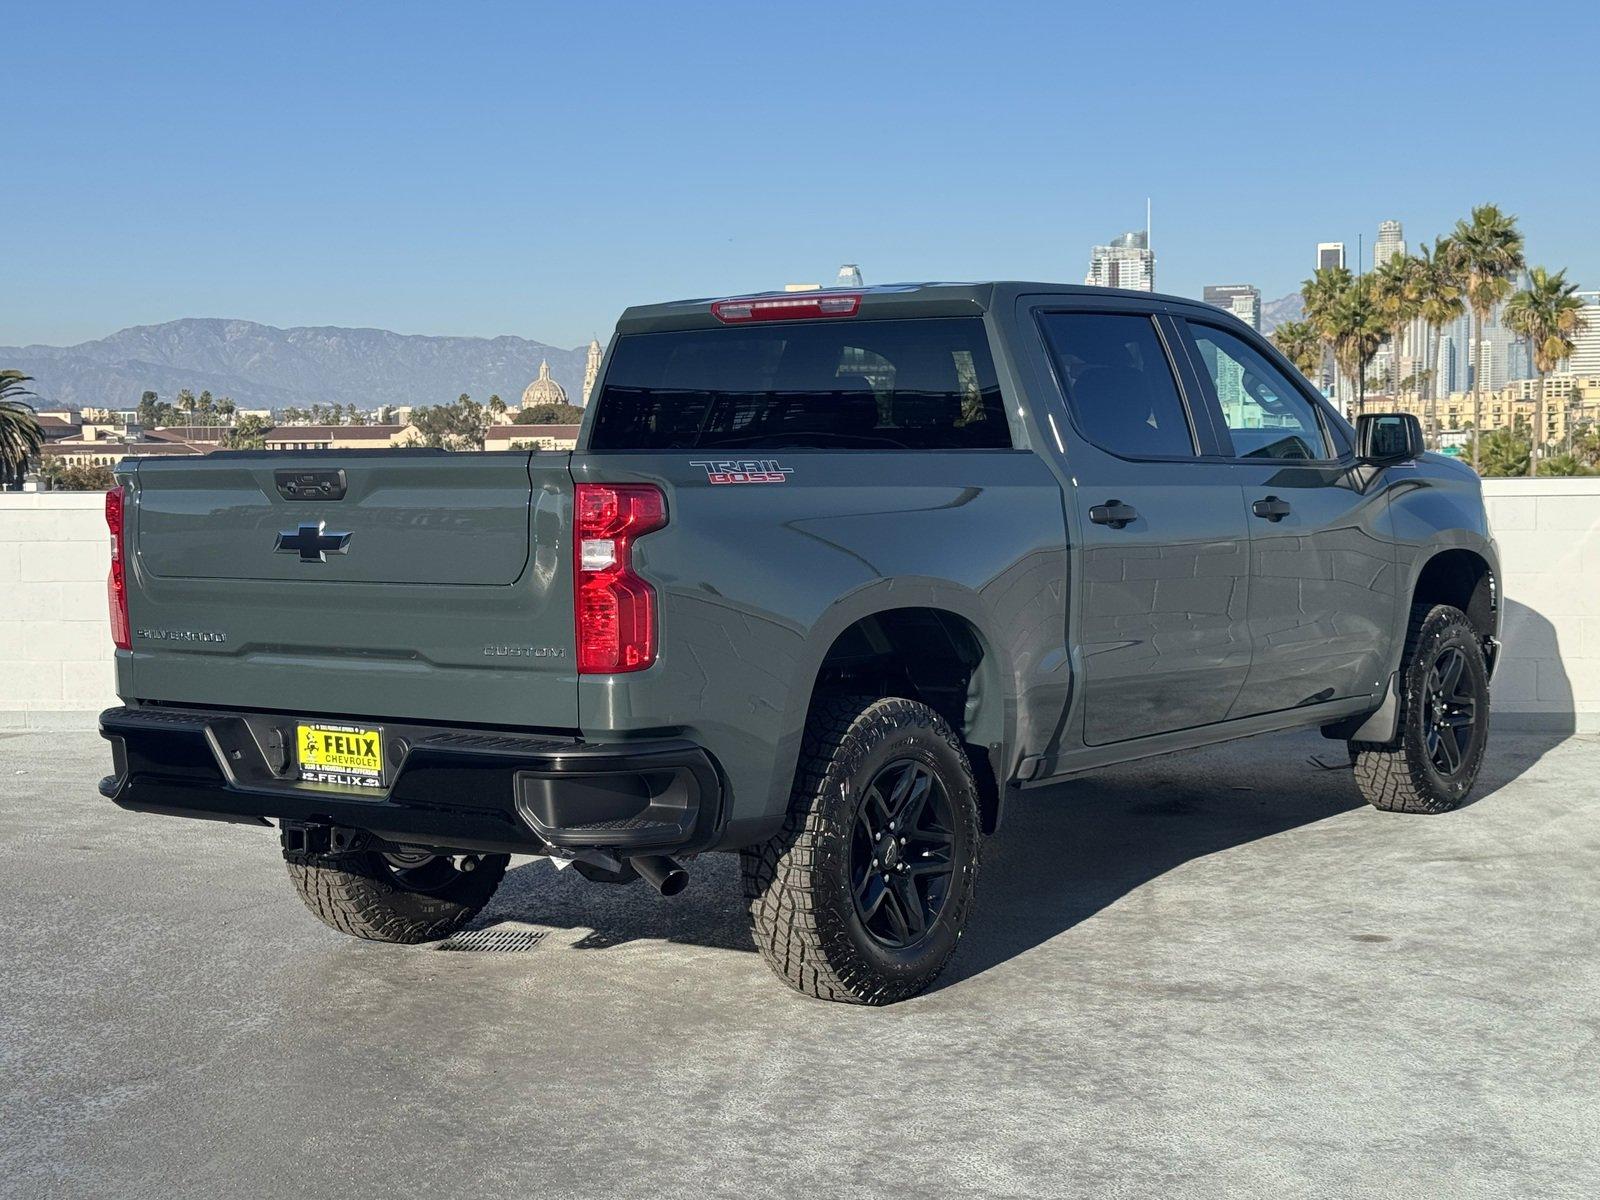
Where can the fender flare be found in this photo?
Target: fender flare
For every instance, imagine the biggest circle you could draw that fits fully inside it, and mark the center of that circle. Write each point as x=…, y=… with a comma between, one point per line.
x=881, y=596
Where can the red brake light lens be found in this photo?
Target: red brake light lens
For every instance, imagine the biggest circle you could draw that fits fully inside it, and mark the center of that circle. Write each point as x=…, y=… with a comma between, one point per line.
x=787, y=308
x=117, y=580
x=615, y=609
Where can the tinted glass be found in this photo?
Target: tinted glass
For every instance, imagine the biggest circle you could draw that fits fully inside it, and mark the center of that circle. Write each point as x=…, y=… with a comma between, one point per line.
x=1266, y=415
x=837, y=385
x=1119, y=383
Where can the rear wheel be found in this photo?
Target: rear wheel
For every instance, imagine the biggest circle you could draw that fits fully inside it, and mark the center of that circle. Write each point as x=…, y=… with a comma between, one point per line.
x=1444, y=720
x=864, y=894
x=402, y=895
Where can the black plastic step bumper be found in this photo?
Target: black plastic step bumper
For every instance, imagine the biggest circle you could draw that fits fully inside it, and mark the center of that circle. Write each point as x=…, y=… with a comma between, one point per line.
x=446, y=788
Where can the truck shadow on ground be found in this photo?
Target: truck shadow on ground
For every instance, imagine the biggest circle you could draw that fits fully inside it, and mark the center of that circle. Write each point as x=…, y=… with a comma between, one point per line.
x=1065, y=852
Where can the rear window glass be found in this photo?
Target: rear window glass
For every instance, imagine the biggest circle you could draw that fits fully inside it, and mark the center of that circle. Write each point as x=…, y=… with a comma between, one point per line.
x=927, y=384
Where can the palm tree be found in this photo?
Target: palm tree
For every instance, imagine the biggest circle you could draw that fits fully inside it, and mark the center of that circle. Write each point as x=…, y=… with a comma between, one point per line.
x=20, y=435
x=1397, y=292
x=1504, y=452
x=1300, y=345
x=1320, y=293
x=1548, y=313
x=1489, y=250
x=1439, y=281
x=1356, y=328
x=1566, y=463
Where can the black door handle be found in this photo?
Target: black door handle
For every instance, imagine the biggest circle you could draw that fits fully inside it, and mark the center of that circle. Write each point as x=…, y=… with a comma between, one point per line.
x=1113, y=513
x=1271, y=508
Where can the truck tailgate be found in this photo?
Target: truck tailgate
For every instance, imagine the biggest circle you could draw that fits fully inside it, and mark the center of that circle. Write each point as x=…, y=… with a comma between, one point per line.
x=384, y=584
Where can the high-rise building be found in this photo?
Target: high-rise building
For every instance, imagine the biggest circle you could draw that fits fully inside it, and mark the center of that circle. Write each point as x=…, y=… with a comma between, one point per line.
x=1499, y=361
x=1390, y=242
x=849, y=276
x=1585, y=358
x=1445, y=379
x=1241, y=299
x=591, y=370
x=1330, y=254
x=1127, y=262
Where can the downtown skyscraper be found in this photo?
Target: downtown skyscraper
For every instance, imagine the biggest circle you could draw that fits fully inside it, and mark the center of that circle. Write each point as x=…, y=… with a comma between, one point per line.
x=1243, y=300
x=1125, y=262
x=1391, y=241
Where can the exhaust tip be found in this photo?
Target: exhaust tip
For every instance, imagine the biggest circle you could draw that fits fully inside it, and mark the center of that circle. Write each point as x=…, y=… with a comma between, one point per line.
x=664, y=874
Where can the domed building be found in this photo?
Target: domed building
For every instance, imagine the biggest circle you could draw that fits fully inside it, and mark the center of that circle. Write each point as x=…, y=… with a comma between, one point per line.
x=543, y=390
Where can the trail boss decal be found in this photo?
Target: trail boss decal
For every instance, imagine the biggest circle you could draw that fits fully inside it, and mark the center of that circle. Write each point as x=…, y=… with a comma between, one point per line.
x=765, y=470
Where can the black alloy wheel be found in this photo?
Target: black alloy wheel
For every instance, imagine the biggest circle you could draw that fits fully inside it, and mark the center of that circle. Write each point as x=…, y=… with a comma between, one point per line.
x=900, y=854
x=1450, y=712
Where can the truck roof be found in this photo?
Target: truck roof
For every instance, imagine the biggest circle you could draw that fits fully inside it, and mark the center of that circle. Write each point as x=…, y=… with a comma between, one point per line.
x=926, y=299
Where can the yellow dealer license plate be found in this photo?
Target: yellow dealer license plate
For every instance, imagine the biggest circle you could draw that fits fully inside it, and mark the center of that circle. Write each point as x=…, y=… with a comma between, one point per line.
x=349, y=755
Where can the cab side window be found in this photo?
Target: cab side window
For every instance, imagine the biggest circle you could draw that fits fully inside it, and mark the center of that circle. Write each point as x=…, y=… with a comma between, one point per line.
x=1119, y=384
x=1266, y=415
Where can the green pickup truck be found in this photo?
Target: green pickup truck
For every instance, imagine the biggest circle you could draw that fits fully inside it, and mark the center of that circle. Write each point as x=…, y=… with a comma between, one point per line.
x=829, y=578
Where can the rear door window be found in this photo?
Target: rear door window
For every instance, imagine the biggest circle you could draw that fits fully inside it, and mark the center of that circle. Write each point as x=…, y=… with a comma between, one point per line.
x=1119, y=383
x=924, y=384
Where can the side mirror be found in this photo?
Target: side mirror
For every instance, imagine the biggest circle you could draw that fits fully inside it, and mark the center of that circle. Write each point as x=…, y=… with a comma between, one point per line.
x=1388, y=437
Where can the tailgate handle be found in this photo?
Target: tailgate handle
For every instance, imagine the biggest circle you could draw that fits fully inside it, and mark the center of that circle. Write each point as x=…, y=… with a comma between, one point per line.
x=310, y=485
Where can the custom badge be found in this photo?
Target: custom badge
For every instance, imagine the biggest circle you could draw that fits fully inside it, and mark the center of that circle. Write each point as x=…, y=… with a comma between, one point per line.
x=765, y=470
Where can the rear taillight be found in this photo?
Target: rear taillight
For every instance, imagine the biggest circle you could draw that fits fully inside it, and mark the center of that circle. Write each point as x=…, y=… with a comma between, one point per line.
x=787, y=308
x=117, y=581
x=616, y=610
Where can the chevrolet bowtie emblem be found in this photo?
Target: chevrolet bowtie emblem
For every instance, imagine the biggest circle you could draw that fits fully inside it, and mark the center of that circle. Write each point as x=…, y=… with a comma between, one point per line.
x=311, y=543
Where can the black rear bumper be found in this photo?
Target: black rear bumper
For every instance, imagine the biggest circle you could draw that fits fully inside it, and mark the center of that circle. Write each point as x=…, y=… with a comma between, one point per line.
x=447, y=788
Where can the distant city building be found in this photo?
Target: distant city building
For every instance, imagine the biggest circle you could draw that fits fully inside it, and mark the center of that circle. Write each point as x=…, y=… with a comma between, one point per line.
x=1330, y=254
x=1127, y=262
x=1445, y=379
x=1500, y=359
x=1241, y=299
x=1391, y=241
x=1585, y=358
x=338, y=437
x=591, y=370
x=849, y=276
x=530, y=437
x=1570, y=402
x=543, y=390
x=195, y=435
x=108, y=452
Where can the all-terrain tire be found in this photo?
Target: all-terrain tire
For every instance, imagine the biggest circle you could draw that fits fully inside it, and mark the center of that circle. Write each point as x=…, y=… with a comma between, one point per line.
x=360, y=893
x=1402, y=775
x=804, y=910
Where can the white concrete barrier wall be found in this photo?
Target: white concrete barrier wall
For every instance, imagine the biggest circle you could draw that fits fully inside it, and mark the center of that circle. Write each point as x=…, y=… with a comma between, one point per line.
x=1548, y=531
x=55, y=647
x=55, y=640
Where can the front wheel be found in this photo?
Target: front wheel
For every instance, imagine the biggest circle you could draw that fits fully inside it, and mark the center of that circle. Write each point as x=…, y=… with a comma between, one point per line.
x=1444, y=720
x=864, y=894
x=405, y=895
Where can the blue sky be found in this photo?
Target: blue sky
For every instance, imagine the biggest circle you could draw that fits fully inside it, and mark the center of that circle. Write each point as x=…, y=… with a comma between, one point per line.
x=534, y=168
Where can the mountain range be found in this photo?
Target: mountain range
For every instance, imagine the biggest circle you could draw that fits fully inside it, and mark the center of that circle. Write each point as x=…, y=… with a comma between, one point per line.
x=1285, y=308
x=261, y=366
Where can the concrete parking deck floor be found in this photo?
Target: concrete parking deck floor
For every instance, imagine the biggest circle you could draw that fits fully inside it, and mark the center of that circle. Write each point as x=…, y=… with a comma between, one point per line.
x=1211, y=975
